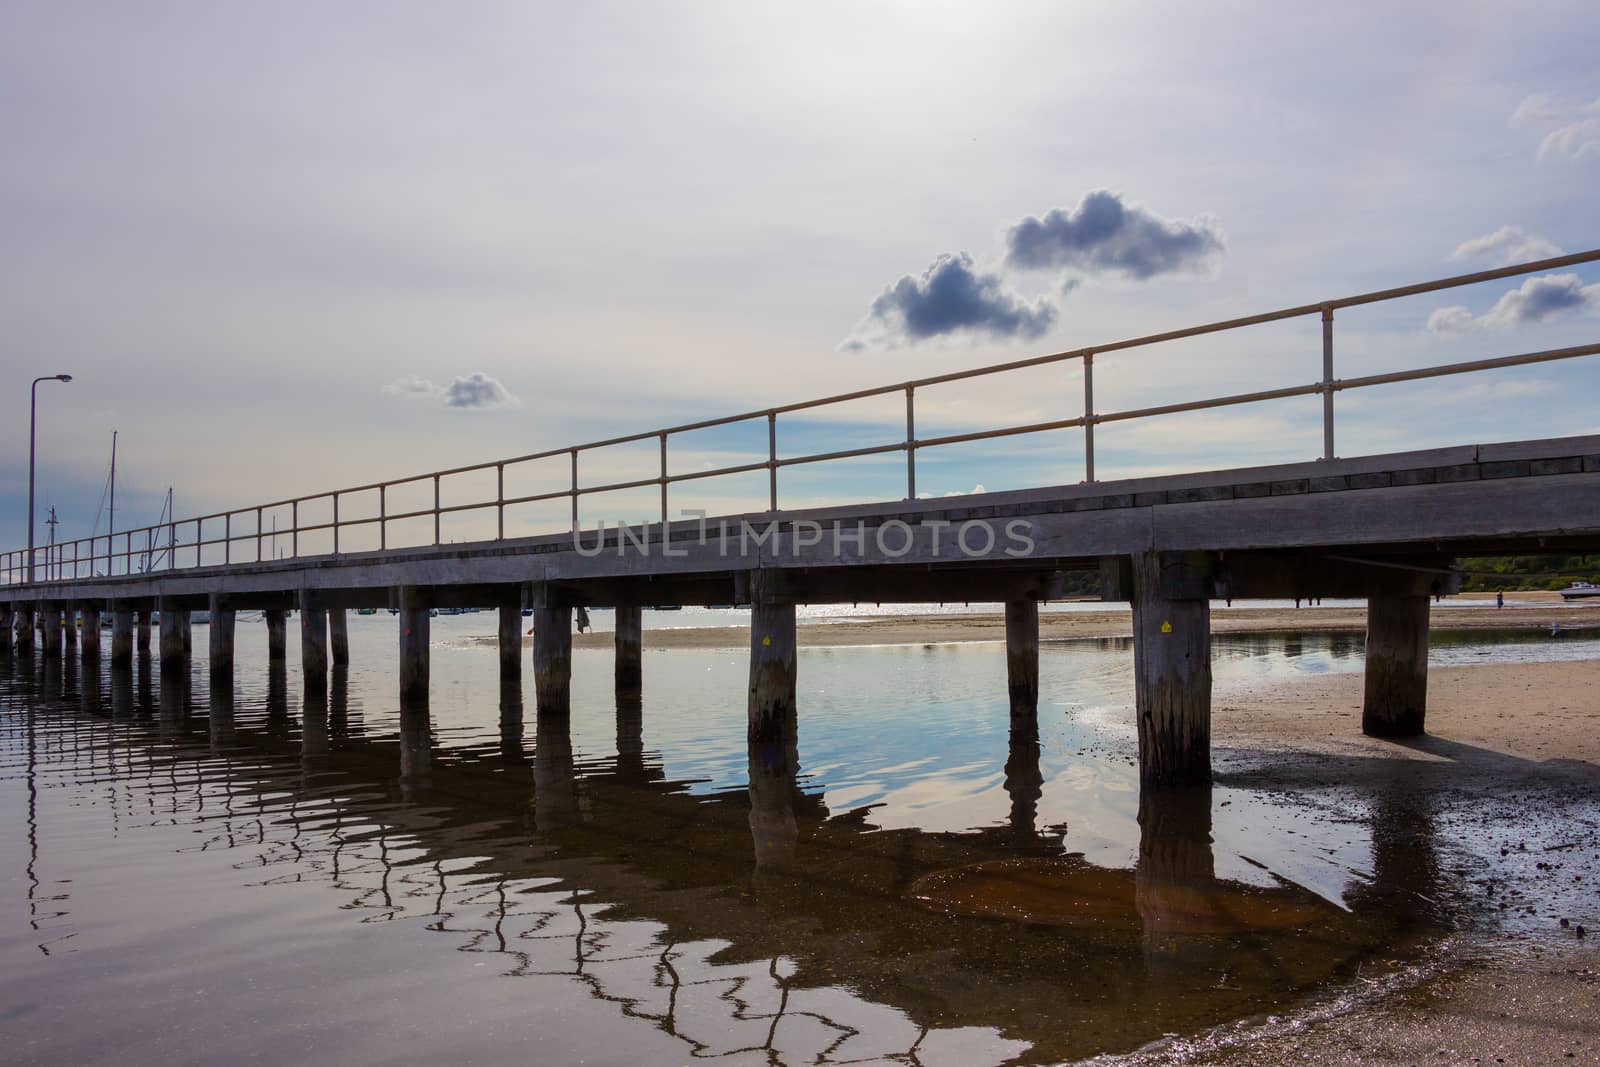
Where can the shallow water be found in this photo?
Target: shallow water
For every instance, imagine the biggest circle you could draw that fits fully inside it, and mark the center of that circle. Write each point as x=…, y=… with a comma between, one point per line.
x=237, y=874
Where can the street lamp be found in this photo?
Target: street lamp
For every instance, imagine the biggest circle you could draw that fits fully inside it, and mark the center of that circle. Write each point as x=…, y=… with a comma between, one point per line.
x=33, y=407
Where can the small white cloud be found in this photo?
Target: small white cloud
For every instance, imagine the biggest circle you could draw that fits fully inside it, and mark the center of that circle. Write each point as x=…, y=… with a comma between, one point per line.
x=1508, y=244
x=474, y=391
x=1535, y=300
x=1573, y=129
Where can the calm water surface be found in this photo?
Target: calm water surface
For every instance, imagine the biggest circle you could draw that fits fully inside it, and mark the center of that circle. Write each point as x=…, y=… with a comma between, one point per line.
x=198, y=873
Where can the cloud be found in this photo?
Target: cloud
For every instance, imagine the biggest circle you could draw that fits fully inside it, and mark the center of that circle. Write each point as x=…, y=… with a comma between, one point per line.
x=476, y=390
x=1573, y=129
x=953, y=296
x=1508, y=244
x=1103, y=234
x=1535, y=300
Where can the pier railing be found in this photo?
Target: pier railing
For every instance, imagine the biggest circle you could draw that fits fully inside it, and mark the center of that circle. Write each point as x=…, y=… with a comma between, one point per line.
x=243, y=538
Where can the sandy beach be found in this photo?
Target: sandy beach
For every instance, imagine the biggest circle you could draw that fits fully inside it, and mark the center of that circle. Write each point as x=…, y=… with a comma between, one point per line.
x=1534, y=611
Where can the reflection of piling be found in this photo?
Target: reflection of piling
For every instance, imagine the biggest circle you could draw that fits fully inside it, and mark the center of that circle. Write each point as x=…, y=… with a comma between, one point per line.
x=1177, y=868
x=555, y=789
x=1024, y=784
x=511, y=716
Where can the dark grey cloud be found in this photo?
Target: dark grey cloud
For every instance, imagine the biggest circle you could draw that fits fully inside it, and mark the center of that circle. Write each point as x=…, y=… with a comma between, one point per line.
x=476, y=390
x=954, y=296
x=1535, y=300
x=1105, y=235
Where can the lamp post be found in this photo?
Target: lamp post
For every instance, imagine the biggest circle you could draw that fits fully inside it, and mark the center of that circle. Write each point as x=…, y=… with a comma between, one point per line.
x=33, y=408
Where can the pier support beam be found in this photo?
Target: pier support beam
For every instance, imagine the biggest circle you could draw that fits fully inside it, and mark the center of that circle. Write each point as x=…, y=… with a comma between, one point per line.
x=1022, y=662
x=22, y=632
x=277, y=638
x=174, y=650
x=1397, y=665
x=511, y=641
x=50, y=631
x=552, y=651
x=222, y=627
x=142, y=634
x=339, y=636
x=69, y=628
x=5, y=627
x=414, y=633
x=772, y=707
x=90, y=643
x=629, y=641
x=1172, y=671
x=121, y=635
x=313, y=644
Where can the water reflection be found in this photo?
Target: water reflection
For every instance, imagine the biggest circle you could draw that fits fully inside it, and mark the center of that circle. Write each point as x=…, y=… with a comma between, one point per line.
x=722, y=920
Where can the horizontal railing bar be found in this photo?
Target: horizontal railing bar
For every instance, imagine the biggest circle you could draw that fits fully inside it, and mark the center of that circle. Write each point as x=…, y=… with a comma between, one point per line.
x=1005, y=431
x=849, y=453
x=1202, y=405
x=1547, y=356
x=743, y=468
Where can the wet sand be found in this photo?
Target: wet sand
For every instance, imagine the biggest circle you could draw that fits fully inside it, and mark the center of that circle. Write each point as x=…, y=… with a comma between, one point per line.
x=1531, y=998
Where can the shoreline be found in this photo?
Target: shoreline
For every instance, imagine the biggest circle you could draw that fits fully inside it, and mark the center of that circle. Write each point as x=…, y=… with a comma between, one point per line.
x=1531, y=612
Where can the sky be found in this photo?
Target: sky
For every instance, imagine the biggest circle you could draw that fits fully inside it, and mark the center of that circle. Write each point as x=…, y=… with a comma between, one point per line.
x=295, y=247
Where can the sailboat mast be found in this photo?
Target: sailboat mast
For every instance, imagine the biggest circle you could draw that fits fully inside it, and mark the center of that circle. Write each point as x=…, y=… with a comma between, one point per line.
x=111, y=522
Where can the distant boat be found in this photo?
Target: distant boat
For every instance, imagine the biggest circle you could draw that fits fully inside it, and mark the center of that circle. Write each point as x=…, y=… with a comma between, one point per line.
x=366, y=611
x=1580, y=591
x=667, y=607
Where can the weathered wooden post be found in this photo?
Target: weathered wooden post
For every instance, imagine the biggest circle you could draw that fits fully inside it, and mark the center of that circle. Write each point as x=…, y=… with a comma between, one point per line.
x=6, y=615
x=50, y=628
x=69, y=628
x=772, y=658
x=511, y=640
x=629, y=641
x=339, y=636
x=90, y=644
x=1396, y=695
x=1172, y=668
x=313, y=643
x=552, y=650
x=174, y=652
x=223, y=619
x=277, y=636
x=414, y=634
x=1022, y=662
x=142, y=631
x=121, y=634
x=22, y=632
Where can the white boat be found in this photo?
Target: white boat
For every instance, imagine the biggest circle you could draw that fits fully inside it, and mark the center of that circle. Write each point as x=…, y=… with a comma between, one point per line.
x=1580, y=591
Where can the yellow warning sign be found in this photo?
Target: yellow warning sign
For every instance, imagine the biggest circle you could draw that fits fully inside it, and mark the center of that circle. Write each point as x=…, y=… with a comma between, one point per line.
x=766, y=642
x=1166, y=627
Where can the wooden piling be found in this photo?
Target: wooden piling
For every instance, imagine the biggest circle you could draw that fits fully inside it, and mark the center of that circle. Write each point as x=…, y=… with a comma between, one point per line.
x=1022, y=662
x=142, y=634
x=277, y=637
x=174, y=653
x=313, y=644
x=221, y=640
x=50, y=632
x=22, y=633
x=121, y=635
x=511, y=641
x=629, y=642
x=89, y=645
x=1397, y=665
x=552, y=653
x=69, y=628
x=5, y=627
x=772, y=660
x=414, y=634
x=1172, y=679
x=339, y=636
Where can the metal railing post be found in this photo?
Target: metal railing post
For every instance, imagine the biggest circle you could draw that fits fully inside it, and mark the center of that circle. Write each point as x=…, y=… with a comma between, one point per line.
x=500, y=501
x=1327, y=382
x=259, y=535
x=227, y=539
x=335, y=524
x=574, y=453
x=663, y=485
x=383, y=516
x=435, y=509
x=294, y=535
x=911, y=443
x=1088, y=416
x=199, y=542
x=772, y=460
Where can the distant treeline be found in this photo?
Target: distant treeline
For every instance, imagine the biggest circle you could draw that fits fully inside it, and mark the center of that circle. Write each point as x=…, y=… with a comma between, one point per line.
x=1527, y=572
